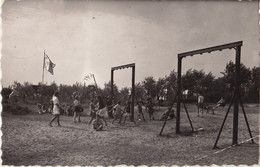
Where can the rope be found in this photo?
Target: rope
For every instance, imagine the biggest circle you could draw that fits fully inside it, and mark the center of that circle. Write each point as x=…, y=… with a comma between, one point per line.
x=226, y=148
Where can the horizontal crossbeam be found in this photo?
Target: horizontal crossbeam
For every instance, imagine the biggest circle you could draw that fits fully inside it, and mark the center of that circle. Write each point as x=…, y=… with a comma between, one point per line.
x=123, y=66
x=211, y=49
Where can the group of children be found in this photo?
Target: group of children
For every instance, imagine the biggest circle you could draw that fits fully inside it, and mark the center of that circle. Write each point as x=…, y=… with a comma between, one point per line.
x=202, y=105
x=98, y=112
x=118, y=111
x=57, y=110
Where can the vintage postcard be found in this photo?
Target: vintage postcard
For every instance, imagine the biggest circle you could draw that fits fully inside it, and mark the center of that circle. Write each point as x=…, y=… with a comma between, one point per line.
x=120, y=82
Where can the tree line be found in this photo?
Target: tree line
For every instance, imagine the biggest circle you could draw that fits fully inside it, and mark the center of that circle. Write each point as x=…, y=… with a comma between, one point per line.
x=163, y=90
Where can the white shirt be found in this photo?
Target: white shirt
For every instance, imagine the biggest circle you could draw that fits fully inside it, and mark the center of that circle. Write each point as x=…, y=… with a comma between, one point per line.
x=76, y=103
x=200, y=99
x=55, y=101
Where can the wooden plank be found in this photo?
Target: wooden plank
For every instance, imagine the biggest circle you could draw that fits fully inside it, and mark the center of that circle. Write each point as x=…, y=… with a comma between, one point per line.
x=211, y=49
x=123, y=66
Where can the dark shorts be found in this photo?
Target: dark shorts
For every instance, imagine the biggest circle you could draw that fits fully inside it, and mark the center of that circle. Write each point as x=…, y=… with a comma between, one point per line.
x=77, y=109
x=92, y=114
x=200, y=105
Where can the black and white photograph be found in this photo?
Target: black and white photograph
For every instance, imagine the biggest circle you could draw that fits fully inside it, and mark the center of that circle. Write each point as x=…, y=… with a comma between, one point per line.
x=130, y=83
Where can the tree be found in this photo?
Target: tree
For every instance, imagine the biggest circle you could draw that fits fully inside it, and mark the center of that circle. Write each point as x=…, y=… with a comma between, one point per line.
x=46, y=91
x=198, y=82
x=206, y=89
x=28, y=89
x=124, y=95
x=5, y=94
x=106, y=92
x=192, y=81
x=229, y=74
x=219, y=89
x=253, y=92
x=160, y=85
x=245, y=76
x=139, y=92
x=171, y=87
x=149, y=85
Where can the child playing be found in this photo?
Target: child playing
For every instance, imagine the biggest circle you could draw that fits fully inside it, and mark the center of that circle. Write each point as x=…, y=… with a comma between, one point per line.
x=127, y=110
x=101, y=112
x=56, y=109
x=92, y=111
x=77, y=109
x=200, y=105
x=168, y=114
x=118, y=112
x=221, y=103
x=140, y=110
x=150, y=109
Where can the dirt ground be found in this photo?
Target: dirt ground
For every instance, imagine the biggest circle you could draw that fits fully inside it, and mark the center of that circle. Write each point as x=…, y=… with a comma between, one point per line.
x=28, y=140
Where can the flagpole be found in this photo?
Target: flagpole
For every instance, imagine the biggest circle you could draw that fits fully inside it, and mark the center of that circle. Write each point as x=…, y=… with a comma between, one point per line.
x=43, y=67
x=94, y=79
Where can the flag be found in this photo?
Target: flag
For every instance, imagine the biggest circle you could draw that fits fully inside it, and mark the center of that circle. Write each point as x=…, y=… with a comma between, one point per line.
x=48, y=64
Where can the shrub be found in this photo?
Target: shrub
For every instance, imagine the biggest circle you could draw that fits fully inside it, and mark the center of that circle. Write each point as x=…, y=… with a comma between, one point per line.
x=16, y=110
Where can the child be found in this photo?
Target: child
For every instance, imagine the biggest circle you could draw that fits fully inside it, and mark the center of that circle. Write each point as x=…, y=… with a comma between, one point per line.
x=127, y=110
x=68, y=110
x=168, y=113
x=150, y=109
x=140, y=112
x=92, y=111
x=221, y=103
x=56, y=109
x=118, y=112
x=200, y=105
x=101, y=112
x=109, y=106
x=39, y=106
x=77, y=109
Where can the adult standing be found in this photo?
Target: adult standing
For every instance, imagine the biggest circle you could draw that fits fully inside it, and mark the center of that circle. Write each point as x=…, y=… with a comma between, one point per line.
x=200, y=105
x=56, y=108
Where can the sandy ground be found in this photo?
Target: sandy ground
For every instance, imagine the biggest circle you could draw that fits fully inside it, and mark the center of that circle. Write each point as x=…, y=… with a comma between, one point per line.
x=28, y=140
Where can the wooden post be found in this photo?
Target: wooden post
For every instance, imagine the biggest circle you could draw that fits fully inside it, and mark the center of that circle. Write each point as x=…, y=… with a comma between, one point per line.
x=247, y=124
x=179, y=97
x=232, y=99
x=112, y=84
x=168, y=115
x=133, y=91
x=133, y=83
x=43, y=67
x=188, y=115
x=236, y=98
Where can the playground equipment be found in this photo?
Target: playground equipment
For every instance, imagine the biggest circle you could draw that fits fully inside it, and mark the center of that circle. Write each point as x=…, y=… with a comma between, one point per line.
x=97, y=123
x=236, y=99
x=133, y=84
x=171, y=109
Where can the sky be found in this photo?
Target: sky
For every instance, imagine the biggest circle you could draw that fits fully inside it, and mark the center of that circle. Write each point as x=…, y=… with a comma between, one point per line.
x=83, y=37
